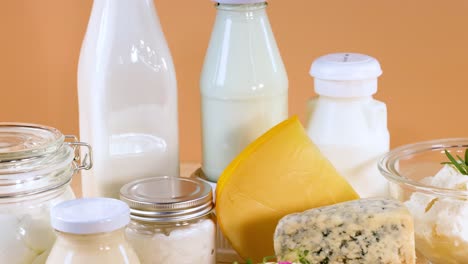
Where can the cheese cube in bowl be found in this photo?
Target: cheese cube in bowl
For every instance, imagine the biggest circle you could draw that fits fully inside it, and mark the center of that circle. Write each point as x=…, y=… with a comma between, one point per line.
x=430, y=179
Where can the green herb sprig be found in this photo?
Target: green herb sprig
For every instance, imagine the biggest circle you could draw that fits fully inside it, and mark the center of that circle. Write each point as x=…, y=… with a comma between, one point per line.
x=460, y=164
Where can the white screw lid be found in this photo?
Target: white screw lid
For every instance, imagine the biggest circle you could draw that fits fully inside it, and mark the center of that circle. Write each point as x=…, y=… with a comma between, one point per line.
x=90, y=216
x=346, y=75
x=239, y=2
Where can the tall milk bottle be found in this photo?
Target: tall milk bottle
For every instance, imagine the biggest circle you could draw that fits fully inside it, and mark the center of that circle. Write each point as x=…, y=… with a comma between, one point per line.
x=244, y=86
x=127, y=97
x=347, y=124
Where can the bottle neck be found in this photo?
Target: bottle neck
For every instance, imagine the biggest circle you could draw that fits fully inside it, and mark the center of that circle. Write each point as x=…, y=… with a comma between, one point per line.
x=356, y=99
x=123, y=9
x=242, y=11
x=346, y=89
x=241, y=7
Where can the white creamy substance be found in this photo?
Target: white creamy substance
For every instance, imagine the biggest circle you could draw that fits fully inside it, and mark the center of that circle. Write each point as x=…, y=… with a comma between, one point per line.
x=101, y=248
x=441, y=225
x=25, y=232
x=244, y=85
x=127, y=97
x=194, y=243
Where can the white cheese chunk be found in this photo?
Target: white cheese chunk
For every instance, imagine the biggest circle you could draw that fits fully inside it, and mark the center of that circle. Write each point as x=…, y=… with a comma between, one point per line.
x=377, y=231
x=441, y=228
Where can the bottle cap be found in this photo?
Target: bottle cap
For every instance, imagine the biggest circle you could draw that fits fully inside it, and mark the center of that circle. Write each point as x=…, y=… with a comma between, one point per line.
x=345, y=75
x=239, y=2
x=90, y=216
x=167, y=199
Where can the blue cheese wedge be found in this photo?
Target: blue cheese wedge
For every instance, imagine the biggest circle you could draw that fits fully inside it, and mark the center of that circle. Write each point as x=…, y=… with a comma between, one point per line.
x=374, y=231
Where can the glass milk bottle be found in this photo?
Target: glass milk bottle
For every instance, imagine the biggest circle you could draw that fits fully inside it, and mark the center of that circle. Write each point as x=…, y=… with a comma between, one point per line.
x=127, y=97
x=347, y=124
x=91, y=231
x=244, y=86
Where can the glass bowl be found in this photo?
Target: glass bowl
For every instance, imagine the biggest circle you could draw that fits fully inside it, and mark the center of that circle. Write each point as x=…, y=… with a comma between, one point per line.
x=440, y=214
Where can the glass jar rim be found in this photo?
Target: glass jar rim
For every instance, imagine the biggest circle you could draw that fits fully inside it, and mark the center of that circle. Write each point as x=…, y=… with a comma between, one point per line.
x=388, y=165
x=47, y=174
x=24, y=141
x=36, y=158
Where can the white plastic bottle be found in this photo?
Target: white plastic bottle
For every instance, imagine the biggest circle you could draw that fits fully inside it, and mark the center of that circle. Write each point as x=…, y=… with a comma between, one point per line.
x=127, y=97
x=244, y=85
x=346, y=123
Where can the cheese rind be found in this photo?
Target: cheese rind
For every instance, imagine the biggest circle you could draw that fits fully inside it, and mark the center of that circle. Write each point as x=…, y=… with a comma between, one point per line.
x=377, y=231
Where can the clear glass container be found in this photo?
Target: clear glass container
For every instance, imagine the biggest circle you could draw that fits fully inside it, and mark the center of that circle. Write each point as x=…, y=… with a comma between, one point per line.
x=440, y=213
x=107, y=247
x=36, y=167
x=243, y=85
x=172, y=220
x=91, y=231
x=127, y=95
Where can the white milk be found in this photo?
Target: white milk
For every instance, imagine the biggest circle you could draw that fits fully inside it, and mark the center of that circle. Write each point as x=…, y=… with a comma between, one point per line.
x=346, y=123
x=244, y=85
x=127, y=97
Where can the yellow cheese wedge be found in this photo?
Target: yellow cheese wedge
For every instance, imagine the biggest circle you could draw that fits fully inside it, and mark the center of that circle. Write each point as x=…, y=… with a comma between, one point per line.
x=280, y=173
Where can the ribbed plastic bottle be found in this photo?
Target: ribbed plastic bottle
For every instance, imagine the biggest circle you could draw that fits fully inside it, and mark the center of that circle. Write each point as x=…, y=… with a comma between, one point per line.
x=347, y=124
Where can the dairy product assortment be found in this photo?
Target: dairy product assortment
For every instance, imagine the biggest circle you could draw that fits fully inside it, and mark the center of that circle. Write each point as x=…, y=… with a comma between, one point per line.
x=281, y=190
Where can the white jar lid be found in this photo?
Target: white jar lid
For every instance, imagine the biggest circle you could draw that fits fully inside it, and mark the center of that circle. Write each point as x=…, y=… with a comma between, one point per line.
x=239, y=2
x=90, y=216
x=345, y=75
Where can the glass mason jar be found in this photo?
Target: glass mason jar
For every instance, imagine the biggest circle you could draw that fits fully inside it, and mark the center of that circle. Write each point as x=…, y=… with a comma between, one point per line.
x=172, y=220
x=91, y=230
x=36, y=167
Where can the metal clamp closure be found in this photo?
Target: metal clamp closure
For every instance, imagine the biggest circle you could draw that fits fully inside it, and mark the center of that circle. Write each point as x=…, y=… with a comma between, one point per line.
x=85, y=163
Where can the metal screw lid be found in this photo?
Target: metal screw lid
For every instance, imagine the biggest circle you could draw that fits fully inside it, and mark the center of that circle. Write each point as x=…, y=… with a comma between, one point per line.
x=167, y=199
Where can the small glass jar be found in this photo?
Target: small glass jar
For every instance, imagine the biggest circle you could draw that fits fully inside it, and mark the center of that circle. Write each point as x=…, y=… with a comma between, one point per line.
x=36, y=167
x=91, y=231
x=172, y=220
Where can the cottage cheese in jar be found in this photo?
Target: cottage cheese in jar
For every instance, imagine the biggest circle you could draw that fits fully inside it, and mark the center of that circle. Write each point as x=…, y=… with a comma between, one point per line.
x=172, y=220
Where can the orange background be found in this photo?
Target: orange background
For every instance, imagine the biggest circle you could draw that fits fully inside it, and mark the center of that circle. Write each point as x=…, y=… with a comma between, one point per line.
x=421, y=44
